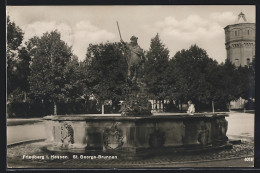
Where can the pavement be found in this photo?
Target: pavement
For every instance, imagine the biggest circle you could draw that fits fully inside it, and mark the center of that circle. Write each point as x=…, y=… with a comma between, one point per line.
x=241, y=124
x=20, y=133
x=239, y=156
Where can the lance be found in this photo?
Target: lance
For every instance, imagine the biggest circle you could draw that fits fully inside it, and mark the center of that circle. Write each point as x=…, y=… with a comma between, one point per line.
x=124, y=45
x=119, y=31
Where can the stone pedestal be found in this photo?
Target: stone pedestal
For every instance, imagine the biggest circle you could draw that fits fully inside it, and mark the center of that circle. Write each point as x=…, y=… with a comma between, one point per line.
x=136, y=102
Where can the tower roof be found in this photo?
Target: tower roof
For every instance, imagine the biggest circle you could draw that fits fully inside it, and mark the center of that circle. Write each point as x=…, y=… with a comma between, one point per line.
x=241, y=18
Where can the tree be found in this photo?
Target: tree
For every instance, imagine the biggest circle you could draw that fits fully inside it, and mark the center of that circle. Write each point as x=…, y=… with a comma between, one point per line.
x=106, y=71
x=50, y=56
x=18, y=62
x=230, y=76
x=212, y=77
x=24, y=68
x=14, y=40
x=191, y=75
x=246, y=82
x=14, y=35
x=75, y=78
x=227, y=83
x=156, y=69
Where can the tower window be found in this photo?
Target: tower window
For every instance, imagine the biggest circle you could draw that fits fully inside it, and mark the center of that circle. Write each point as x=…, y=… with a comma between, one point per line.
x=236, y=62
x=248, y=32
x=248, y=61
x=235, y=33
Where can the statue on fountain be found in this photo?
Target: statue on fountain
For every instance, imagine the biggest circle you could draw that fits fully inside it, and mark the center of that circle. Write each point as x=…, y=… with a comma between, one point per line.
x=136, y=95
x=136, y=102
x=135, y=59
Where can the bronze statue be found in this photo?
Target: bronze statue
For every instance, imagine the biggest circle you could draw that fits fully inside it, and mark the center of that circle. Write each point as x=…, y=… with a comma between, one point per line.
x=134, y=57
x=136, y=93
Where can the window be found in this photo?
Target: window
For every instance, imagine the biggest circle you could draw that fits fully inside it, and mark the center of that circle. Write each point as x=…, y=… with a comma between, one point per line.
x=236, y=62
x=235, y=33
x=248, y=32
x=248, y=61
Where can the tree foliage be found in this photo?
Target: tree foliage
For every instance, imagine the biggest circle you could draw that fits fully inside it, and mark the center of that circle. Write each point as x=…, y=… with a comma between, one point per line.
x=106, y=71
x=190, y=70
x=229, y=82
x=197, y=77
x=14, y=35
x=14, y=40
x=246, y=81
x=75, y=78
x=52, y=71
x=18, y=62
x=156, y=66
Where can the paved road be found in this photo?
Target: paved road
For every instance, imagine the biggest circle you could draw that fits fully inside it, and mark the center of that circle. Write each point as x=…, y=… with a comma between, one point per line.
x=25, y=132
x=240, y=125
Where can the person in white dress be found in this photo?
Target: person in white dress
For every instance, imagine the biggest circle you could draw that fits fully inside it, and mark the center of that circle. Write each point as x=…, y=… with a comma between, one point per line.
x=191, y=109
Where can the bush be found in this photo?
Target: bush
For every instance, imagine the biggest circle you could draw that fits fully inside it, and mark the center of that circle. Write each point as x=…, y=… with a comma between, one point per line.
x=28, y=110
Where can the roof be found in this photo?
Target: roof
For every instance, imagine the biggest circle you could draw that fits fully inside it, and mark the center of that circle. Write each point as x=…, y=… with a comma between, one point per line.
x=241, y=18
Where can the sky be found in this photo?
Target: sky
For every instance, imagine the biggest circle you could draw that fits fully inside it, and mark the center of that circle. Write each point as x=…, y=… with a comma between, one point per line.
x=179, y=26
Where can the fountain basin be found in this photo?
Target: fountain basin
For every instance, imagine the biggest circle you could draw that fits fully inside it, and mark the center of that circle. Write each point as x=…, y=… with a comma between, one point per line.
x=130, y=135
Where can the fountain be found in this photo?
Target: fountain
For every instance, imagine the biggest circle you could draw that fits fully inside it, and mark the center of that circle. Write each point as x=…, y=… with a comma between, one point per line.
x=136, y=131
x=132, y=134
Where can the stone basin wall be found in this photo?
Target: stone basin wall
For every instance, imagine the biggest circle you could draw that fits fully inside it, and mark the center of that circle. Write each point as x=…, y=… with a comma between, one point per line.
x=120, y=133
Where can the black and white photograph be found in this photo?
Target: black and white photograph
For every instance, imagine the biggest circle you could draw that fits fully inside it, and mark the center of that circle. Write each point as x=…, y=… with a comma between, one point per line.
x=130, y=86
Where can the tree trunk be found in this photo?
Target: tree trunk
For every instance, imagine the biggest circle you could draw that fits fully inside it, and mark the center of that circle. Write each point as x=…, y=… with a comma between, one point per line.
x=181, y=105
x=103, y=109
x=25, y=97
x=163, y=105
x=42, y=106
x=213, y=109
x=156, y=108
x=55, y=108
x=160, y=105
x=229, y=107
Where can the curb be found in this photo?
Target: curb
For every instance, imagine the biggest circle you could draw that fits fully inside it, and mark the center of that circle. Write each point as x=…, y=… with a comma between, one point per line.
x=25, y=142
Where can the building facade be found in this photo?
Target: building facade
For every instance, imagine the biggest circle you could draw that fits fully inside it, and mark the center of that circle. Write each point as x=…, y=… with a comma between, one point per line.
x=240, y=41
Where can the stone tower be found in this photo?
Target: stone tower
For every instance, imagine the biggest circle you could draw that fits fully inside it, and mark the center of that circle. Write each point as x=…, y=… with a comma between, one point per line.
x=240, y=41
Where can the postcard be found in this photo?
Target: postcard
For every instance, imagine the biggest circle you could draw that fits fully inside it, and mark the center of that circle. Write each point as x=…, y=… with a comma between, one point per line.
x=130, y=86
